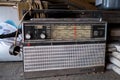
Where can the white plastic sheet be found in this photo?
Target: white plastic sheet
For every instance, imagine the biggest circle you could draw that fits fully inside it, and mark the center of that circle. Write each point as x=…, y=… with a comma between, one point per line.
x=7, y=42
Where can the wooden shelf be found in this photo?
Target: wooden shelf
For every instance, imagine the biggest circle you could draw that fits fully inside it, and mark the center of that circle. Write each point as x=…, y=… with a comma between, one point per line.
x=7, y=3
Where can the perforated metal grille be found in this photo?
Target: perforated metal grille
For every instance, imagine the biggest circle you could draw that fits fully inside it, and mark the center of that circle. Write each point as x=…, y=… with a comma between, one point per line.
x=55, y=57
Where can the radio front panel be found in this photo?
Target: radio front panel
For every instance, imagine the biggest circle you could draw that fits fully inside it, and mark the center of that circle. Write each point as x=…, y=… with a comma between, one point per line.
x=63, y=46
x=64, y=31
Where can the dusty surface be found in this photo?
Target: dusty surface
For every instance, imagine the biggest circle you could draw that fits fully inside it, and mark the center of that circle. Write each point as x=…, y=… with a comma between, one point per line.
x=14, y=71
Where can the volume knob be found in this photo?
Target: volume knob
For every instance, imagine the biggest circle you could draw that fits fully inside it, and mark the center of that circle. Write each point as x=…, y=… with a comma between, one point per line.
x=42, y=36
x=27, y=36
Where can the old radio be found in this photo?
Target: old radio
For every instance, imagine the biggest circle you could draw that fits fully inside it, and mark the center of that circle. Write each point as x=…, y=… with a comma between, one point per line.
x=63, y=46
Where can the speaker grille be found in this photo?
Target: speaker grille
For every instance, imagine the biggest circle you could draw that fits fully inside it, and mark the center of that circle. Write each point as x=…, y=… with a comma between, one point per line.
x=56, y=57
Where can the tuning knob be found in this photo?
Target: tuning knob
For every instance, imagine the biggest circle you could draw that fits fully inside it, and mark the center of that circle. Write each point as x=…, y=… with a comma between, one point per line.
x=42, y=36
x=27, y=36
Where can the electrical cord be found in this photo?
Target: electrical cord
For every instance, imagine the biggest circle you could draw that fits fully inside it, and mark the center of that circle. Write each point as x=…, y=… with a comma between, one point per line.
x=14, y=49
x=30, y=7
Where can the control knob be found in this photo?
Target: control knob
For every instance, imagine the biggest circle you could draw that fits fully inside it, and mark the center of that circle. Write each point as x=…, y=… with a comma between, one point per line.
x=27, y=36
x=42, y=36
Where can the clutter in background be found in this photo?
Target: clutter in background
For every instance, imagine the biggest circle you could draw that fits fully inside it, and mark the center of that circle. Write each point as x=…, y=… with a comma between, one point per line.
x=114, y=58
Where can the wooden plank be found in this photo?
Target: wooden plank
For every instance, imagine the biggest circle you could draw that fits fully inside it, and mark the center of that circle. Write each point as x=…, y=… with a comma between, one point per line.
x=10, y=0
x=7, y=4
x=82, y=4
x=22, y=6
x=111, y=16
x=91, y=1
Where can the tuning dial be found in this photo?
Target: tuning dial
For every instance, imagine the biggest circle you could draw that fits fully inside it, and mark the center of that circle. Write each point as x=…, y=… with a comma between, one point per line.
x=42, y=36
x=27, y=36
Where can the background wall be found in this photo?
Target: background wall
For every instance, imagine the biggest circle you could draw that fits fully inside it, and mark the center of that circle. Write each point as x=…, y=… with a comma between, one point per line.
x=9, y=12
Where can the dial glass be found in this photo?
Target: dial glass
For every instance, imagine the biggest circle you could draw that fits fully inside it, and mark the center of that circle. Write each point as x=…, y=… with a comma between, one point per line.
x=71, y=32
